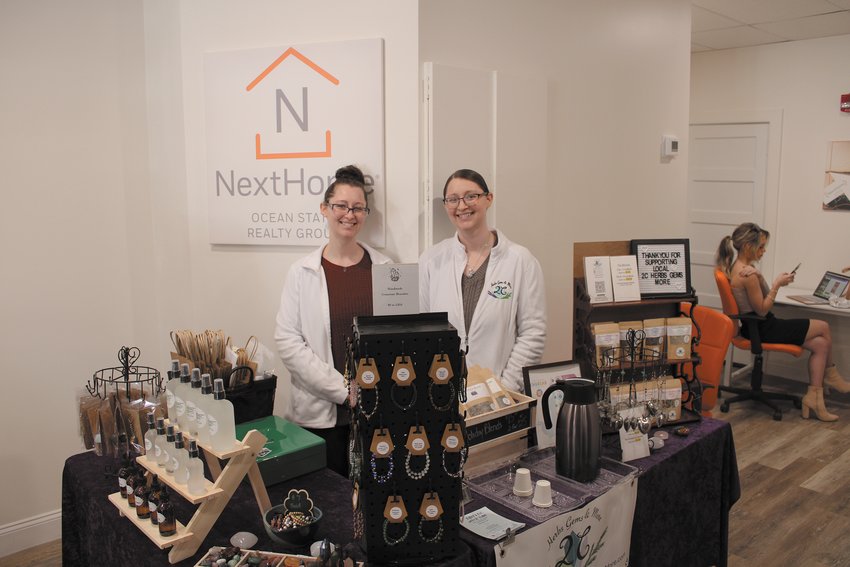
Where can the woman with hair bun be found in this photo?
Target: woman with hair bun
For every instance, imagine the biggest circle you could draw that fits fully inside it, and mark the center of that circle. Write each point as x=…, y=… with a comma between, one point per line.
x=737, y=257
x=322, y=294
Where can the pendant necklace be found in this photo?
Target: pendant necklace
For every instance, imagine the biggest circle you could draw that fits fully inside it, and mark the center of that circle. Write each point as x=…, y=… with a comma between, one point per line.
x=482, y=254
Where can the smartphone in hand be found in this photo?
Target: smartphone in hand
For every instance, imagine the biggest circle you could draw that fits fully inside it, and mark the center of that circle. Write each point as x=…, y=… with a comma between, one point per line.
x=794, y=271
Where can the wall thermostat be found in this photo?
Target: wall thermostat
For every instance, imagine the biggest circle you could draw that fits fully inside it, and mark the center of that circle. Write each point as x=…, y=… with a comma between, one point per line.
x=669, y=146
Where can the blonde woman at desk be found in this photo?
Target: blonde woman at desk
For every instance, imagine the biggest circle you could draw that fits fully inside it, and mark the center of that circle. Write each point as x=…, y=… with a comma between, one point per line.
x=737, y=257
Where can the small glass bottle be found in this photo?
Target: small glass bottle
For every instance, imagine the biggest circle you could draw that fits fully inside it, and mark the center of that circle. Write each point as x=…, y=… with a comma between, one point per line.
x=203, y=405
x=171, y=452
x=160, y=445
x=181, y=457
x=195, y=469
x=166, y=520
x=180, y=390
x=192, y=396
x=154, y=496
x=221, y=420
x=173, y=380
x=125, y=471
x=142, y=492
x=132, y=482
x=150, y=437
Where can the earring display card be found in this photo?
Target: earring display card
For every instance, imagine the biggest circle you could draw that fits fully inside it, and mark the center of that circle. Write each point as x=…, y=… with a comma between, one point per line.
x=403, y=348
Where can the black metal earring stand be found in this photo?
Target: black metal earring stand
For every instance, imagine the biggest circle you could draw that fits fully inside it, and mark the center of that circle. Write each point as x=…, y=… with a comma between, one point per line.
x=128, y=375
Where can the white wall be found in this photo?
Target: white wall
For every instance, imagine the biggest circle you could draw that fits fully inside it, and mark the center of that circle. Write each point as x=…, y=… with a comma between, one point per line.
x=617, y=76
x=105, y=230
x=803, y=79
x=104, y=224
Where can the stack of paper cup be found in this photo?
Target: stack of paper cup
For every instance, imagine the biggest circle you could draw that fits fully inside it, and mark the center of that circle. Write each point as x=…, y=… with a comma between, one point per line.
x=522, y=483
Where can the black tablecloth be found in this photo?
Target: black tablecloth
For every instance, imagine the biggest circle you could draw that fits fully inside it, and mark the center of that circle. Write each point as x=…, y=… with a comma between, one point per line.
x=685, y=491
x=93, y=533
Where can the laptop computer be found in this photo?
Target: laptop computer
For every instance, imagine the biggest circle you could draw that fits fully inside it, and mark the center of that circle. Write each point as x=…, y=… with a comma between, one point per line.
x=831, y=284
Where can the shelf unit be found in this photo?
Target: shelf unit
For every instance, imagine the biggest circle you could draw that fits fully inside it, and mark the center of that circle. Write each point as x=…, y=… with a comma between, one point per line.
x=586, y=313
x=242, y=461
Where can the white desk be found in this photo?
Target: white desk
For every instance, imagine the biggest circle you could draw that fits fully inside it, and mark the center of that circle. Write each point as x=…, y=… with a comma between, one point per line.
x=822, y=310
x=839, y=324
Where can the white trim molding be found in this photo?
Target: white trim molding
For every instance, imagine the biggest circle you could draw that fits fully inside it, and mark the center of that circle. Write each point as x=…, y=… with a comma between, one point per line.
x=29, y=532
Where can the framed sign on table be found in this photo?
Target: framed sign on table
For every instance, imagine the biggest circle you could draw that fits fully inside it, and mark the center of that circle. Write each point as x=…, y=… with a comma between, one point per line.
x=664, y=267
x=536, y=380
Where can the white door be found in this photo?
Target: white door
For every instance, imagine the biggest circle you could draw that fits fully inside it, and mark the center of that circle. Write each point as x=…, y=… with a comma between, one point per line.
x=460, y=132
x=727, y=185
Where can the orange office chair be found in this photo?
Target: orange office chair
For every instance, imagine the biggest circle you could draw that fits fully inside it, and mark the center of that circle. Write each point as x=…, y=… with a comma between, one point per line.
x=716, y=330
x=757, y=348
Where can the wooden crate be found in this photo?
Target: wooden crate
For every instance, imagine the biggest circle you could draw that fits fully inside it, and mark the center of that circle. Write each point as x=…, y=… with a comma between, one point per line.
x=502, y=434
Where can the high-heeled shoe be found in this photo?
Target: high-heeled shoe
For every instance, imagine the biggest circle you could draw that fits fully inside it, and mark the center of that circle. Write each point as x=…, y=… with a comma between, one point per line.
x=832, y=379
x=813, y=400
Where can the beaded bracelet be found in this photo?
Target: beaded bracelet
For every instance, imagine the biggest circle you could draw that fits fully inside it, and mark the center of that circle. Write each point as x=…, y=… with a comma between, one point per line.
x=388, y=540
x=434, y=404
x=437, y=536
x=417, y=475
x=463, y=453
x=368, y=415
x=398, y=405
x=381, y=478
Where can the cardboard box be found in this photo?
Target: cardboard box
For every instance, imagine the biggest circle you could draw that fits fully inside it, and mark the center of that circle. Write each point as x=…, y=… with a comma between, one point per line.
x=500, y=434
x=290, y=450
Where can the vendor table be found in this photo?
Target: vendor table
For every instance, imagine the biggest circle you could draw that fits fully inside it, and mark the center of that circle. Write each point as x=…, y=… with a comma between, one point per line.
x=93, y=533
x=685, y=491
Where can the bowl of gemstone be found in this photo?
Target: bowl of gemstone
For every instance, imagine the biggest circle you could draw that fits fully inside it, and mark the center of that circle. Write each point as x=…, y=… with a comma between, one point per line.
x=291, y=529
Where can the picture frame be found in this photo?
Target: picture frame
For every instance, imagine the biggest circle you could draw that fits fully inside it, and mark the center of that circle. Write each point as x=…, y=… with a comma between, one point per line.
x=536, y=379
x=664, y=267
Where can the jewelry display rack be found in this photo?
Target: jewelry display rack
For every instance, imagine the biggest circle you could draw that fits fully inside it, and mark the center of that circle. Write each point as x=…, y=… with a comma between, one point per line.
x=396, y=413
x=242, y=461
x=126, y=376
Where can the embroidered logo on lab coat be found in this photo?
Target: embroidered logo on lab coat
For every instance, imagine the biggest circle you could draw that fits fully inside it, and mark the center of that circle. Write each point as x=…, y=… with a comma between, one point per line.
x=501, y=290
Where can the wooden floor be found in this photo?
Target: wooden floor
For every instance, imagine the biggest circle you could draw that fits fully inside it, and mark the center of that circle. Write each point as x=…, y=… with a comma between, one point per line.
x=795, y=483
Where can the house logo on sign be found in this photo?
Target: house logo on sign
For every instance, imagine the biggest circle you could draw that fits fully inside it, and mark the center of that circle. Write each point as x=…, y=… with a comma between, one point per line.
x=285, y=101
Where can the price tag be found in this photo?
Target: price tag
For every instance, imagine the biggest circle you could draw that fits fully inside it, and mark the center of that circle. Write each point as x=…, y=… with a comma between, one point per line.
x=417, y=441
x=367, y=373
x=452, y=440
x=403, y=373
x=441, y=369
x=431, y=507
x=394, y=511
x=382, y=443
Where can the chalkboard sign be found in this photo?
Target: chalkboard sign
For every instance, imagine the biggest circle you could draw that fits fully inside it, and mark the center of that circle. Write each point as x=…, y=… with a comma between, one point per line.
x=664, y=267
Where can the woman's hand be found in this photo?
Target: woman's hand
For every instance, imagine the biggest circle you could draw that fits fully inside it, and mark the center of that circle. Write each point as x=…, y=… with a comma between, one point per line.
x=845, y=270
x=783, y=279
x=748, y=271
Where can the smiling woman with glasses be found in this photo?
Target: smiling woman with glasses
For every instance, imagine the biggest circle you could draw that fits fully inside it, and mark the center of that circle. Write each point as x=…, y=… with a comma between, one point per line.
x=322, y=294
x=491, y=287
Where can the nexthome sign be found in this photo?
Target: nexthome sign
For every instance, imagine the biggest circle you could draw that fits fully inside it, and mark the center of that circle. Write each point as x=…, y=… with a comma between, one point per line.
x=279, y=122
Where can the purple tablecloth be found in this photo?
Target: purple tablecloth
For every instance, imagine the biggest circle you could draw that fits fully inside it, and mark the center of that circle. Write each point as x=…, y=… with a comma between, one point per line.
x=685, y=492
x=93, y=533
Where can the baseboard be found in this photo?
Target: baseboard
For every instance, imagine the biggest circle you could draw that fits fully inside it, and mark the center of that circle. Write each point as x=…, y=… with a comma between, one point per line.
x=30, y=532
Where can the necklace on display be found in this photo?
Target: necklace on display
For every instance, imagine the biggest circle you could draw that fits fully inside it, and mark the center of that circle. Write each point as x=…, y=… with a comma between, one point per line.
x=472, y=267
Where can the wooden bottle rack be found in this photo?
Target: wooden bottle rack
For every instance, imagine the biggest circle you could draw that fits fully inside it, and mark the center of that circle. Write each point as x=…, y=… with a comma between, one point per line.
x=242, y=461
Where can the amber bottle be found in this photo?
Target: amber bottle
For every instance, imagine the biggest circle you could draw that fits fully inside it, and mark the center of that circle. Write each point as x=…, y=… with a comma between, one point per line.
x=142, y=492
x=154, y=496
x=123, y=473
x=165, y=515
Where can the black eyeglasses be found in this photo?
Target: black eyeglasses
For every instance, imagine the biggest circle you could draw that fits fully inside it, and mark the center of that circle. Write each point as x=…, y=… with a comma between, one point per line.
x=454, y=200
x=342, y=210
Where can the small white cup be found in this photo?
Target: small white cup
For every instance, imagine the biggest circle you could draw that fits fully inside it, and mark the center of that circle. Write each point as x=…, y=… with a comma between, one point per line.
x=522, y=483
x=542, y=494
